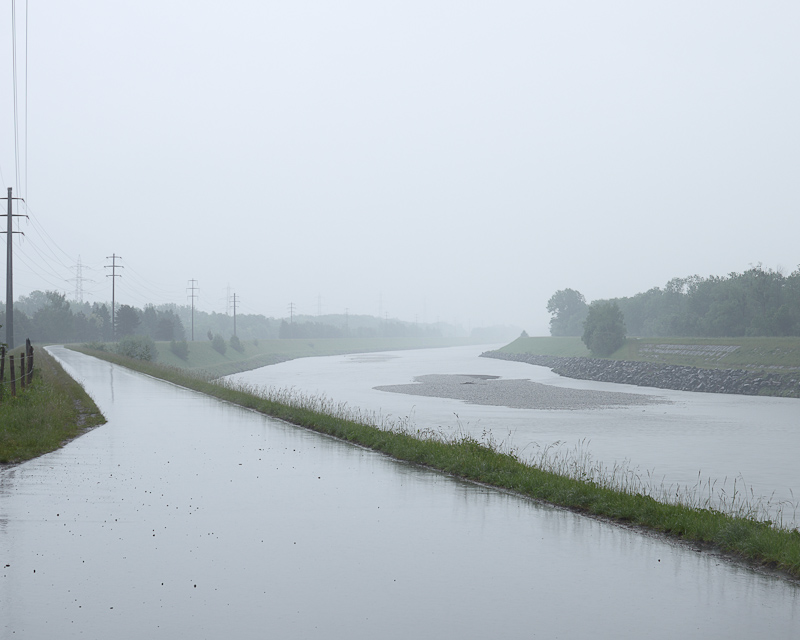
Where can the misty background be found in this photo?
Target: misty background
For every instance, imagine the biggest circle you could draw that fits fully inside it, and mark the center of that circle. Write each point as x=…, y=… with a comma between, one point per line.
x=426, y=161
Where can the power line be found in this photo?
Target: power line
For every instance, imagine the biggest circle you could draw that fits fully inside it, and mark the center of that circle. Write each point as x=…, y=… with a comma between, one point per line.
x=26, y=98
x=16, y=100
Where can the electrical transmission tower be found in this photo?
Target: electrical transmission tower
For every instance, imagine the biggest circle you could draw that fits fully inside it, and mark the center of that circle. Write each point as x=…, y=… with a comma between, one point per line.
x=79, y=280
x=10, y=269
x=113, y=275
x=292, y=308
x=192, y=287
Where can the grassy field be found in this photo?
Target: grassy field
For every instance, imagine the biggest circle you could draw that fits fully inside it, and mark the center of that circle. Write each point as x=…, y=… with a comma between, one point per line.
x=712, y=353
x=265, y=352
x=741, y=532
x=51, y=411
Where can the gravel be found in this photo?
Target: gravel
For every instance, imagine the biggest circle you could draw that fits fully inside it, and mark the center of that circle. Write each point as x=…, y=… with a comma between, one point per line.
x=517, y=394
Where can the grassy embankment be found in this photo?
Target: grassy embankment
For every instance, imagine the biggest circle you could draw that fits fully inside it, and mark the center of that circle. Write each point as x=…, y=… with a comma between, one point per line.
x=202, y=357
x=742, y=534
x=755, y=354
x=53, y=409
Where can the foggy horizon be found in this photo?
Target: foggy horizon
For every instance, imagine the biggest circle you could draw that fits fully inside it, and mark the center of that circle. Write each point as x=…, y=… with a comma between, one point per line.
x=424, y=161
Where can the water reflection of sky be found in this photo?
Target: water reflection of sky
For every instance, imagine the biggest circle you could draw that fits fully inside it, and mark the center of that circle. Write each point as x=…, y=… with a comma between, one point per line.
x=694, y=437
x=187, y=517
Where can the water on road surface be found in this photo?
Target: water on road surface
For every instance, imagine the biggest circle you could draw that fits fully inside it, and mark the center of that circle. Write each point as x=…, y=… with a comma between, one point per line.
x=184, y=516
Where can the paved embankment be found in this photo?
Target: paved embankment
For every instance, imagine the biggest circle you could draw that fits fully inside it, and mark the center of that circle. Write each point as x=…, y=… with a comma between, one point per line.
x=662, y=376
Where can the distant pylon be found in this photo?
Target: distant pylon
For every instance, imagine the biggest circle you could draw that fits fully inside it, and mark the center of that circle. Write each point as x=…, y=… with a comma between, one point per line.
x=79, y=280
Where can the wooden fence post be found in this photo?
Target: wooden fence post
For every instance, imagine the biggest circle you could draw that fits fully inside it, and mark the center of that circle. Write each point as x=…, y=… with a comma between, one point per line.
x=22, y=370
x=11, y=371
x=30, y=362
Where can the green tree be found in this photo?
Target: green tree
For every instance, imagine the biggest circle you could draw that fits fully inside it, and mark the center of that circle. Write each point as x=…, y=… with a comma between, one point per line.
x=139, y=347
x=52, y=322
x=127, y=320
x=604, y=328
x=568, y=308
x=236, y=344
x=218, y=344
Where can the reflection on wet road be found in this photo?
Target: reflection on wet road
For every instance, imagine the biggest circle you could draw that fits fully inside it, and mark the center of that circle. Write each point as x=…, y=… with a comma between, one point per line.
x=187, y=517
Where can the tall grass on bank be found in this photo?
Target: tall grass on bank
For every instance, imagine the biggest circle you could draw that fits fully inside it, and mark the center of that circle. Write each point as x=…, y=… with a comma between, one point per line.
x=52, y=410
x=556, y=479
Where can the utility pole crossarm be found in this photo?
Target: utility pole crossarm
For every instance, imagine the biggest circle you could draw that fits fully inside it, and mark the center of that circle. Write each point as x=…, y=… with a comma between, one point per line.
x=192, y=287
x=235, y=302
x=10, y=267
x=113, y=275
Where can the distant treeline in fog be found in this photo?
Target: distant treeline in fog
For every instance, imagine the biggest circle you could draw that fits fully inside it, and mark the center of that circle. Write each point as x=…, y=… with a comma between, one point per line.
x=50, y=317
x=757, y=302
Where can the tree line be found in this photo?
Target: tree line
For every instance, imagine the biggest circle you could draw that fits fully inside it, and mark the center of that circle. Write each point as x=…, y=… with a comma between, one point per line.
x=49, y=317
x=756, y=302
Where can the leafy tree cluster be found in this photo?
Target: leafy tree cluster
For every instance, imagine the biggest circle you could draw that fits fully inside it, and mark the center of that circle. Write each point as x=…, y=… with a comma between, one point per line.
x=568, y=309
x=49, y=317
x=380, y=328
x=218, y=344
x=604, y=328
x=236, y=344
x=139, y=347
x=756, y=302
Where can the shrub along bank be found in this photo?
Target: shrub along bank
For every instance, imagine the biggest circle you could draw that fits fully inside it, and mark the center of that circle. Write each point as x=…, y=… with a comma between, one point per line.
x=465, y=457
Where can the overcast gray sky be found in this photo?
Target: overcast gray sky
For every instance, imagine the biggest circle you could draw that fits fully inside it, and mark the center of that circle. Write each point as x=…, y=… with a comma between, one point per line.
x=451, y=160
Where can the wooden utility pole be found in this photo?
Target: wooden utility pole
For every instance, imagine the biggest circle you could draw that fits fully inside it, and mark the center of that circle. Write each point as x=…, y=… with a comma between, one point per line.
x=113, y=275
x=192, y=287
x=10, y=269
x=234, y=313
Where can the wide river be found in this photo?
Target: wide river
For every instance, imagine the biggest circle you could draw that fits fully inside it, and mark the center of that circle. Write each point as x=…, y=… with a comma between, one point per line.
x=729, y=443
x=186, y=517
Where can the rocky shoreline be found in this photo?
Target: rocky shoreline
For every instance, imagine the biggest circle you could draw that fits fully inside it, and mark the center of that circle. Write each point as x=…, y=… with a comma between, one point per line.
x=663, y=376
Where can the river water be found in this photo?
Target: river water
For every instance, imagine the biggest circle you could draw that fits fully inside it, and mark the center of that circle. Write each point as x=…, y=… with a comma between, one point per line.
x=184, y=516
x=723, y=441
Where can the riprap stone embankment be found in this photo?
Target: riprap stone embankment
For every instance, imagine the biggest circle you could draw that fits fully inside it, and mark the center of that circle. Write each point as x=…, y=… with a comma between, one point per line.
x=664, y=376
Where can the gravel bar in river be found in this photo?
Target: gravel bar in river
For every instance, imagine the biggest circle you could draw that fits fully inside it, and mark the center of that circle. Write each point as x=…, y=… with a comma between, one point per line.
x=517, y=394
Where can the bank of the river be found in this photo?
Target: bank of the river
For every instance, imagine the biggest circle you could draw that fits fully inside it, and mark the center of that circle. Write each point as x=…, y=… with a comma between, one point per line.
x=748, y=366
x=467, y=458
x=49, y=412
x=202, y=356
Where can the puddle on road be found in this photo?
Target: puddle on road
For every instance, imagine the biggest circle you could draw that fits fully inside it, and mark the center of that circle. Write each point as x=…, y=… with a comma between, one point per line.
x=184, y=516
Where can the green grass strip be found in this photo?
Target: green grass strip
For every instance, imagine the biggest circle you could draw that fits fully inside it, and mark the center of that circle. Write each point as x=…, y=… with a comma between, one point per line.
x=46, y=414
x=465, y=457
